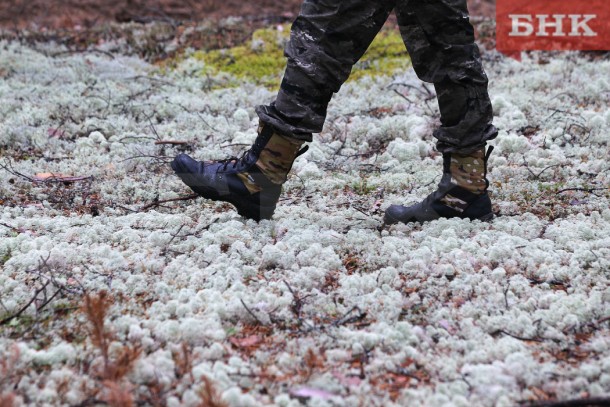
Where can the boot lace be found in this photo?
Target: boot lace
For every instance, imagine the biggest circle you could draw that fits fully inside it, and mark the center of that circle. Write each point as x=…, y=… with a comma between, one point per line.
x=234, y=161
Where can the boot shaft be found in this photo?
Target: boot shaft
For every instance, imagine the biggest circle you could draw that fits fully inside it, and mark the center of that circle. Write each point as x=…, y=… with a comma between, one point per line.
x=277, y=154
x=468, y=171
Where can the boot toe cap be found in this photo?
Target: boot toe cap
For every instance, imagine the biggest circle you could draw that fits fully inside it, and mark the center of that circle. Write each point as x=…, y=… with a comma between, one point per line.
x=184, y=163
x=191, y=172
x=419, y=212
x=395, y=214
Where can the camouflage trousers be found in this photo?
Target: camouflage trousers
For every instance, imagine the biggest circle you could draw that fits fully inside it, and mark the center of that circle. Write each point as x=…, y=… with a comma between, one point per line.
x=330, y=36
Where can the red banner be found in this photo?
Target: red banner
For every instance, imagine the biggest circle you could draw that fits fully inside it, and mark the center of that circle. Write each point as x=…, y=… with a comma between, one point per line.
x=552, y=25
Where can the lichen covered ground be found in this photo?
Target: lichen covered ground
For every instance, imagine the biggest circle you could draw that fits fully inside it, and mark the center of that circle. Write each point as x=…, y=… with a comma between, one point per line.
x=317, y=306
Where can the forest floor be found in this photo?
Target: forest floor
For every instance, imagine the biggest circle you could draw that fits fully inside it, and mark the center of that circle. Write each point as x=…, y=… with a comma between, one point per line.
x=118, y=287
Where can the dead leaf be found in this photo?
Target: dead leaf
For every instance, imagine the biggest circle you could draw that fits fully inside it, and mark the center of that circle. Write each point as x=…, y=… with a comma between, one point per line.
x=246, y=342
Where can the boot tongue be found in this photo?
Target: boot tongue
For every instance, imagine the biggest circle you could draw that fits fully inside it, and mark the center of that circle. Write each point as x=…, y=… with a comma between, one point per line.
x=264, y=135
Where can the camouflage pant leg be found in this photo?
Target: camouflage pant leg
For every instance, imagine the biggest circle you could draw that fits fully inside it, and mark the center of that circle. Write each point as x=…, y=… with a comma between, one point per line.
x=329, y=36
x=440, y=41
x=327, y=39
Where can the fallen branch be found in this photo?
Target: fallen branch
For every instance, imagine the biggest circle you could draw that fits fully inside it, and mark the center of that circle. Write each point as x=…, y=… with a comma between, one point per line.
x=156, y=157
x=158, y=203
x=601, y=321
x=537, y=176
x=597, y=323
x=172, y=142
x=427, y=94
x=14, y=229
x=9, y=168
x=26, y=306
x=402, y=96
x=590, y=402
x=175, y=235
x=250, y=312
x=297, y=301
x=346, y=319
x=46, y=277
x=587, y=190
x=521, y=338
x=152, y=126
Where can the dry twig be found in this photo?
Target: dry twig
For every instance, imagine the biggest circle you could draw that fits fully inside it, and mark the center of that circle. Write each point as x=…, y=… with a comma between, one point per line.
x=587, y=190
x=250, y=312
x=521, y=338
x=156, y=203
x=46, y=277
x=585, y=402
x=171, y=142
x=297, y=303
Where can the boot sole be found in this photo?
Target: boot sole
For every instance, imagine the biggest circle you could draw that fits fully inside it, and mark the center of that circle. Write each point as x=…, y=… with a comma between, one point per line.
x=251, y=211
x=390, y=220
x=486, y=218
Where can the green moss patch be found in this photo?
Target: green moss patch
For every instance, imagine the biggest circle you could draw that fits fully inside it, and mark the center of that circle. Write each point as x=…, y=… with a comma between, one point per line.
x=261, y=59
x=386, y=55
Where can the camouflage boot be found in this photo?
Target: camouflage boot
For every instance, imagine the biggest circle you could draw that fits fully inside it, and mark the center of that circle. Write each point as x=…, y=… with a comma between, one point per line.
x=252, y=183
x=462, y=192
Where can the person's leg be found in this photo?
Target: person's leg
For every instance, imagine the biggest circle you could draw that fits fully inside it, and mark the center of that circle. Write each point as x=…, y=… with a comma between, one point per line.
x=327, y=38
x=440, y=41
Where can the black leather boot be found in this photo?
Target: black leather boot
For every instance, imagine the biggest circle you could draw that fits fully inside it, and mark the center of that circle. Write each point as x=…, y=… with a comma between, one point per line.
x=462, y=192
x=252, y=183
